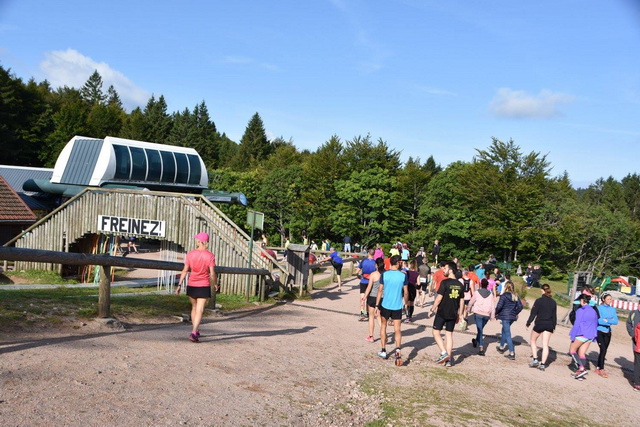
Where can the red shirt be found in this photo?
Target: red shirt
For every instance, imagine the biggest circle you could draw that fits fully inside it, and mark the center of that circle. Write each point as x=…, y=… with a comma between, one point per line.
x=199, y=262
x=438, y=277
x=473, y=276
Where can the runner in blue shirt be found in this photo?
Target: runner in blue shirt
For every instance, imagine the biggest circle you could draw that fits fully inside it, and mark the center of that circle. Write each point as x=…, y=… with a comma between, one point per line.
x=394, y=294
x=365, y=268
x=336, y=262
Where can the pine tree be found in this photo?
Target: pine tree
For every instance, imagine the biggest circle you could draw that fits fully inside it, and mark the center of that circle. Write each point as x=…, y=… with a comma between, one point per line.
x=158, y=122
x=113, y=99
x=254, y=145
x=91, y=92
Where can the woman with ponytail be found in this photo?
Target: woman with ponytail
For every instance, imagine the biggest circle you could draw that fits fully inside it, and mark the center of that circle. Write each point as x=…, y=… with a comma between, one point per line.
x=544, y=318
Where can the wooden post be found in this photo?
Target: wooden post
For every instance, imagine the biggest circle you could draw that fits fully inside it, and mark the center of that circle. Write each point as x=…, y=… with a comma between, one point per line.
x=104, y=292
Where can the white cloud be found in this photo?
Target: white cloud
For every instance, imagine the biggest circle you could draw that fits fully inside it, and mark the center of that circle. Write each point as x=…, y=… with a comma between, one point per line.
x=519, y=104
x=71, y=68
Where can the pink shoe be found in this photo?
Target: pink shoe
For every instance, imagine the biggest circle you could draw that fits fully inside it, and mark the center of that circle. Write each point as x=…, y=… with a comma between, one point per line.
x=370, y=339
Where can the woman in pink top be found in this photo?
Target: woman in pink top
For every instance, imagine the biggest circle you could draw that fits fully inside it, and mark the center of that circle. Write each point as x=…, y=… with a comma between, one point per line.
x=200, y=262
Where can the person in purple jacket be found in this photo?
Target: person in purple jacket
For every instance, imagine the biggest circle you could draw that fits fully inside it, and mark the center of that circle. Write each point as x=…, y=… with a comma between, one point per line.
x=583, y=333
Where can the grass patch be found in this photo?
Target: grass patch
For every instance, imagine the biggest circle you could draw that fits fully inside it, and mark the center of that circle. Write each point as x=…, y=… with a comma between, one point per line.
x=39, y=277
x=51, y=307
x=407, y=395
x=323, y=283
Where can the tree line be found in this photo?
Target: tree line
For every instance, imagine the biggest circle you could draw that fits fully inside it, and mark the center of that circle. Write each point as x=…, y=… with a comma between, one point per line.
x=501, y=201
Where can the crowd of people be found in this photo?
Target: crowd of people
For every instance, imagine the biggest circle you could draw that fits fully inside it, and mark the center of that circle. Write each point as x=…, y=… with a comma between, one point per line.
x=392, y=287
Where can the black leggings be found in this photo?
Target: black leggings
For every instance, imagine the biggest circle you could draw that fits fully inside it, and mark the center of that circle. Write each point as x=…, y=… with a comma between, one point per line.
x=604, y=338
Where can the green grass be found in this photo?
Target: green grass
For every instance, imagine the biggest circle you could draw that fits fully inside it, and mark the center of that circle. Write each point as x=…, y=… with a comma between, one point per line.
x=323, y=283
x=54, y=306
x=37, y=277
x=451, y=397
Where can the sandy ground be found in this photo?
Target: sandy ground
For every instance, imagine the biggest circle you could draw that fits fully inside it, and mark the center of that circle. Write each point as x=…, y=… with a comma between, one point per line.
x=294, y=363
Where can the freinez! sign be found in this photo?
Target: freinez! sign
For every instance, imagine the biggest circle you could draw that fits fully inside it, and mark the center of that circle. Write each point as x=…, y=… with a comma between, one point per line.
x=142, y=227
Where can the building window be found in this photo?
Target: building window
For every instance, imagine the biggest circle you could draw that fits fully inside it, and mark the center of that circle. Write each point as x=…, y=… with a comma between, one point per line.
x=123, y=162
x=139, y=170
x=182, y=176
x=194, y=166
x=168, y=167
x=155, y=165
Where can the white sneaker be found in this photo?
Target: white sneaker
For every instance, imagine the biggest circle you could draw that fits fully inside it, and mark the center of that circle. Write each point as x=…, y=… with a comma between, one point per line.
x=382, y=354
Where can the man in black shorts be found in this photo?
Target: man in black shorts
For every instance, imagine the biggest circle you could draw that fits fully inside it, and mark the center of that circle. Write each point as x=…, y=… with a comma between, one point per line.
x=448, y=308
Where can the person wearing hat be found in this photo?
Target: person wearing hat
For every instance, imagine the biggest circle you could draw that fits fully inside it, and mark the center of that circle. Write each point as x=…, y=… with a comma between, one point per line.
x=201, y=263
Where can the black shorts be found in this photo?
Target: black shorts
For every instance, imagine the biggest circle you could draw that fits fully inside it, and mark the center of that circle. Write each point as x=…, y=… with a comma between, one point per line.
x=542, y=328
x=199, y=291
x=390, y=314
x=371, y=301
x=439, y=322
x=424, y=286
x=412, y=292
x=363, y=287
x=338, y=268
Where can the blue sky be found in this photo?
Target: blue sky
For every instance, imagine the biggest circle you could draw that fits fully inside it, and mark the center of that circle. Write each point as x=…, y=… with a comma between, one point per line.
x=429, y=77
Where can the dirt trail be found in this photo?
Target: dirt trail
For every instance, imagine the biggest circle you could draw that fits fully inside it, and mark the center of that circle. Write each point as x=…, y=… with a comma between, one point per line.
x=297, y=363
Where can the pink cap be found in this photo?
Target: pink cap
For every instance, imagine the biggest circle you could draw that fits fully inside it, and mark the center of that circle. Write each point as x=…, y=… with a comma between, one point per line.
x=202, y=237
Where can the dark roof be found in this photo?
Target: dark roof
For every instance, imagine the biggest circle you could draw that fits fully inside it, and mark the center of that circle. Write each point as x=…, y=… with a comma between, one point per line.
x=12, y=208
x=17, y=175
x=35, y=204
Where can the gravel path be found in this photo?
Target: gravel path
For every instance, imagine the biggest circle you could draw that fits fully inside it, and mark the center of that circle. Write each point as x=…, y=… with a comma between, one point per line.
x=295, y=363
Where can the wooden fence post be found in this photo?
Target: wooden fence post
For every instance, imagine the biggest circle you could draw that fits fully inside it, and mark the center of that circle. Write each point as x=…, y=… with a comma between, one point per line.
x=104, y=292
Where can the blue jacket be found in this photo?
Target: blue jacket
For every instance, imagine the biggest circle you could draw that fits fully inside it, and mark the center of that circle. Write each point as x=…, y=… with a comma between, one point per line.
x=608, y=317
x=507, y=308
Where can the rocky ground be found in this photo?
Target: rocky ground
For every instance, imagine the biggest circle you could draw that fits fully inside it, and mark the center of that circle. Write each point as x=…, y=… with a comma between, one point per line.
x=296, y=363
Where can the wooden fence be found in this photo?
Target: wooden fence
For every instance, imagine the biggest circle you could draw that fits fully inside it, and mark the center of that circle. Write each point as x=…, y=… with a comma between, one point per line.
x=184, y=215
x=107, y=261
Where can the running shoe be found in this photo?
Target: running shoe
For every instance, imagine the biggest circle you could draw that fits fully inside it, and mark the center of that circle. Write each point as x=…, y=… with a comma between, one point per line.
x=193, y=338
x=541, y=367
x=382, y=354
x=580, y=373
x=636, y=387
x=474, y=342
x=370, y=339
x=510, y=356
x=501, y=350
x=481, y=351
x=602, y=373
x=198, y=333
x=448, y=364
x=408, y=320
x=443, y=358
x=534, y=363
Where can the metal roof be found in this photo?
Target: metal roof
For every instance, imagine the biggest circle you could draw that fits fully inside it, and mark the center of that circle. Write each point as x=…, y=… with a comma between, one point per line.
x=17, y=175
x=82, y=161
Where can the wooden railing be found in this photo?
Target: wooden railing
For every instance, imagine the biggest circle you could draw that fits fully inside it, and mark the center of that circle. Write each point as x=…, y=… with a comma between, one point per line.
x=107, y=261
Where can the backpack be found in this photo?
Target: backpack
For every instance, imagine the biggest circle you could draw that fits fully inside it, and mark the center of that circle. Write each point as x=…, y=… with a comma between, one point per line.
x=518, y=308
x=636, y=334
x=572, y=314
x=466, y=285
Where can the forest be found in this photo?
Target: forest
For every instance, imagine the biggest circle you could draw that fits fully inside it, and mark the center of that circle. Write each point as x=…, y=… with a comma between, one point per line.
x=501, y=201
